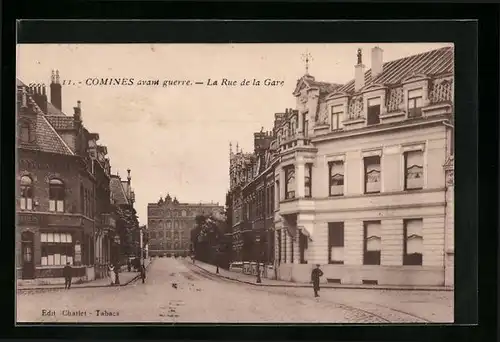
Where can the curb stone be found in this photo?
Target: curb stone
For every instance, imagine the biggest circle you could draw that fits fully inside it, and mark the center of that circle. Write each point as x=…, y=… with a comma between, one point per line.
x=81, y=287
x=360, y=287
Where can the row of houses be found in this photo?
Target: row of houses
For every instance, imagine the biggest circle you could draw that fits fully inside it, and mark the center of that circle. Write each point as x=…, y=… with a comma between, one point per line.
x=357, y=178
x=70, y=207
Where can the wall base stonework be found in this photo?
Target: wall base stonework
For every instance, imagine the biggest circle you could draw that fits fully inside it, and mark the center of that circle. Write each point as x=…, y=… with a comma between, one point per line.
x=354, y=275
x=450, y=270
x=51, y=281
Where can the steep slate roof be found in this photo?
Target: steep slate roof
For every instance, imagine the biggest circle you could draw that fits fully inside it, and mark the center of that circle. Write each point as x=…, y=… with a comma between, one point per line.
x=432, y=63
x=324, y=87
x=46, y=138
x=61, y=121
x=117, y=190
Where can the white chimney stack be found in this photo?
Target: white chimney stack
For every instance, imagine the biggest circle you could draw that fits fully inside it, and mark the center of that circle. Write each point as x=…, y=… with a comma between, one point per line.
x=377, y=61
x=359, y=73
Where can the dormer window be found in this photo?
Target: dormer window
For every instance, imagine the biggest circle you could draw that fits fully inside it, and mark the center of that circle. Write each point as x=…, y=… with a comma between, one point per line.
x=24, y=132
x=373, y=111
x=415, y=102
x=336, y=117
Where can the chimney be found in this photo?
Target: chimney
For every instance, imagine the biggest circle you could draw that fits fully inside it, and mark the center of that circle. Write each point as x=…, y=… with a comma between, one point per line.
x=78, y=111
x=128, y=176
x=377, y=61
x=55, y=90
x=359, y=73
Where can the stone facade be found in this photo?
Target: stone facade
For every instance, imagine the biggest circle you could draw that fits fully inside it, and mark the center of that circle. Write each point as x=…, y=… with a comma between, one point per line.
x=365, y=186
x=170, y=223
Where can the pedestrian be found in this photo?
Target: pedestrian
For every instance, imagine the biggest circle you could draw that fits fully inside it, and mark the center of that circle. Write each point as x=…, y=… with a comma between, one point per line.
x=112, y=274
x=68, y=274
x=117, y=275
x=143, y=273
x=315, y=275
x=129, y=265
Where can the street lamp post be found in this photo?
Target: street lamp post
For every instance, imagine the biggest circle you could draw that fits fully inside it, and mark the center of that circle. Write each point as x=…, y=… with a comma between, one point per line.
x=140, y=246
x=257, y=239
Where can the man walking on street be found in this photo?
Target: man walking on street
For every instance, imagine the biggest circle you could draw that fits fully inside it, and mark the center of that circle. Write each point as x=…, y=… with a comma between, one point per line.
x=143, y=273
x=67, y=274
x=315, y=275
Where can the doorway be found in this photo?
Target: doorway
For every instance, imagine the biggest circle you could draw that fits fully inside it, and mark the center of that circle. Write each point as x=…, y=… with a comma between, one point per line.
x=27, y=244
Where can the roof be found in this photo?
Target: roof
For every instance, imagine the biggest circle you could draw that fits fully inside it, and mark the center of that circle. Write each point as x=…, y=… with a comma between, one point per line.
x=46, y=138
x=324, y=87
x=61, y=122
x=431, y=63
x=117, y=190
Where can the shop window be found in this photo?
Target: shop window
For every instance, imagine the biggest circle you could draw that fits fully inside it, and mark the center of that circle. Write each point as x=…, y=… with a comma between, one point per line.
x=56, y=249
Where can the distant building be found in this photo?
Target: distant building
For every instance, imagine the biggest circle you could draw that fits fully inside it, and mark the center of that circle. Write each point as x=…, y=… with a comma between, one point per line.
x=170, y=223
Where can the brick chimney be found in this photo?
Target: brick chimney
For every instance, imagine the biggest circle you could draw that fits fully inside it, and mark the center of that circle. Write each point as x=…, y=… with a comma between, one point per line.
x=56, y=90
x=78, y=111
x=377, y=61
x=39, y=95
x=359, y=73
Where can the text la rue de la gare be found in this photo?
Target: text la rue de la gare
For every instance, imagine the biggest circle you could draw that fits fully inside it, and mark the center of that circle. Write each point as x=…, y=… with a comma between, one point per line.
x=223, y=82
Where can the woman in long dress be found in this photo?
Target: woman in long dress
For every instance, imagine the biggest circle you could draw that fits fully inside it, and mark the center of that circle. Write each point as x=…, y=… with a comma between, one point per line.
x=112, y=274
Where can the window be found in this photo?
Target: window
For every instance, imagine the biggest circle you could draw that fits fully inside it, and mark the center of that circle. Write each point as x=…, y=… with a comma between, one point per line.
x=290, y=182
x=336, y=171
x=292, y=245
x=373, y=111
x=337, y=113
x=414, y=171
x=305, y=124
x=336, y=242
x=56, y=195
x=413, y=242
x=184, y=213
x=372, y=174
x=279, y=246
x=169, y=224
x=372, y=243
x=56, y=248
x=26, y=193
x=284, y=245
x=278, y=193
x=303, y=244
x=308, y=180
x=82, y=199
x=24, y=132
x=415, y=103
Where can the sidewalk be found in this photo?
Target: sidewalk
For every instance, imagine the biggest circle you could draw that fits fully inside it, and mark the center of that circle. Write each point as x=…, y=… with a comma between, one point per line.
x=125, y=279
x=251, y=279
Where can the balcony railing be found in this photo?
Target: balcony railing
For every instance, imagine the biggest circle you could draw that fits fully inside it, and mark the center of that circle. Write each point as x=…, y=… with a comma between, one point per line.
x=442, y=91
x=355, y=109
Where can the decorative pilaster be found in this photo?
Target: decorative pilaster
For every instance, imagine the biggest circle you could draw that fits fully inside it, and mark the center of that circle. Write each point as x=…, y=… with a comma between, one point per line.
x=282, y=184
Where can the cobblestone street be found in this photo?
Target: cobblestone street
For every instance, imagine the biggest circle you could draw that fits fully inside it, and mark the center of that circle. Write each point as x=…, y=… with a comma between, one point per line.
x=176, y=291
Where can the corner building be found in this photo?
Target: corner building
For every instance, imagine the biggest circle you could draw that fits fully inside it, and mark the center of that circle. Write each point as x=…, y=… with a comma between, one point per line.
x=170, y=223
x=364, y=186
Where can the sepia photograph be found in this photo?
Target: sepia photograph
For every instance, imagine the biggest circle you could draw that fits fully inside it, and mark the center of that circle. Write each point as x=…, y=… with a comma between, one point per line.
x=235, y=183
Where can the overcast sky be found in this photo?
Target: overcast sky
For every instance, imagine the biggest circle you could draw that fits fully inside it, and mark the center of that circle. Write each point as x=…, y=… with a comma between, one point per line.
x=176, y=139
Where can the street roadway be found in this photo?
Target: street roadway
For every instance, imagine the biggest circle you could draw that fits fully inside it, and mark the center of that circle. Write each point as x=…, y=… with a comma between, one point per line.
x=177, y=291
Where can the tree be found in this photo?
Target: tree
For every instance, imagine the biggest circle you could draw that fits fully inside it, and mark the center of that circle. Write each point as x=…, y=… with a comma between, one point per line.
x=127, y=226
x=207, y=237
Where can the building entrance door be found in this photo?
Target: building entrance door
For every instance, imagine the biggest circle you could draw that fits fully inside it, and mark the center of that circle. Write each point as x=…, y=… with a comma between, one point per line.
x=27, y=255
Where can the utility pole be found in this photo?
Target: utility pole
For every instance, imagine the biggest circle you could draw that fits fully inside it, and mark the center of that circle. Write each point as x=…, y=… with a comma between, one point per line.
x=141, y=246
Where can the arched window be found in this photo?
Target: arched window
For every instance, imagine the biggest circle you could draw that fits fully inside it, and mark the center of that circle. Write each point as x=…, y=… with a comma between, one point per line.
x=26, y=193
x=56, y=195
x=24, y=132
